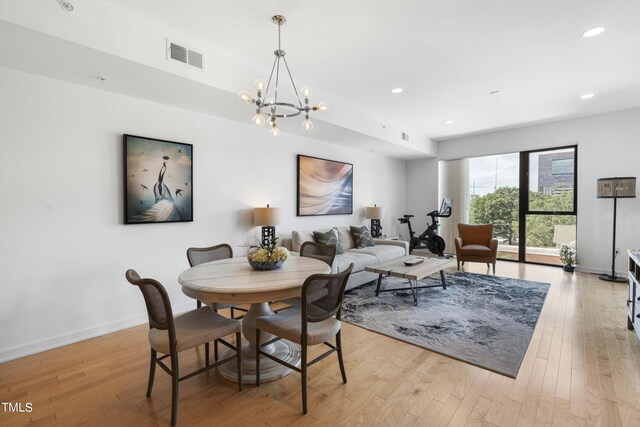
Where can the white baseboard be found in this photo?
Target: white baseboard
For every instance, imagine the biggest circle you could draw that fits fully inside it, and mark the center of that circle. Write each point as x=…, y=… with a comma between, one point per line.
x=95, y=331
x=583, y=269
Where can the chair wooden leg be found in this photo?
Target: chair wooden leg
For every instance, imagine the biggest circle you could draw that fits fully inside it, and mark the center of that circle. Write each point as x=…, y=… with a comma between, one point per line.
x=303, y=367
x=175, y=381
x=152, y=372
x=239, y=358
x=494, y=268
x=458, y=265
x=257, y=357
x=232, y=313
x=340, y=360
x=215, y=350
x=206, y=353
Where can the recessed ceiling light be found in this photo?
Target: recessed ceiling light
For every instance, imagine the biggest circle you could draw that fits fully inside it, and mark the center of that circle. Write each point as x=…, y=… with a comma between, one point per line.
x=448, y=122
x=67, y=6
x=494, y=92
x=587, y=96
x=593, y=32
x=396, y=90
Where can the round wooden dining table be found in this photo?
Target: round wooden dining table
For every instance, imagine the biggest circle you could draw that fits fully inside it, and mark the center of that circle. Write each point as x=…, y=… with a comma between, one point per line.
x=233, y=281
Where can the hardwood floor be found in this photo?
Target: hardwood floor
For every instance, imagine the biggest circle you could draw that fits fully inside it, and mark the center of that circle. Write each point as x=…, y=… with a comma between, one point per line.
x=582, y=368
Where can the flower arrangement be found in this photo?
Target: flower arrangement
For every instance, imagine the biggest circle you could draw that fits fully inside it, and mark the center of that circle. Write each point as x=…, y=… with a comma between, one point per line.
x=267, y=256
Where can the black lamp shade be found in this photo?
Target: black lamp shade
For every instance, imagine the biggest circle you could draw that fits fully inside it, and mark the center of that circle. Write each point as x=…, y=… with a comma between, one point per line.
x=609, y=188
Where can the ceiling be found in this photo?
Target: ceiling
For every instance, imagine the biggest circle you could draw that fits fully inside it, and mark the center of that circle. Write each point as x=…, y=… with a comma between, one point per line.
x=448, y=56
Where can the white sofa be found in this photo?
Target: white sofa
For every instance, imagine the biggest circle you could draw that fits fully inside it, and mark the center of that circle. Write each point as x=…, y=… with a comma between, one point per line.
x=384, y=250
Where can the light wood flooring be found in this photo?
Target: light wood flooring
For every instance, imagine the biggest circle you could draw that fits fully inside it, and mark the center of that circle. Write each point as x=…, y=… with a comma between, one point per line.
x=582, y=368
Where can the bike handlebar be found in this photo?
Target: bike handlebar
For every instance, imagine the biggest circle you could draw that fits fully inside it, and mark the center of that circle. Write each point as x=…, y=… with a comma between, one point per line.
x=437, y=214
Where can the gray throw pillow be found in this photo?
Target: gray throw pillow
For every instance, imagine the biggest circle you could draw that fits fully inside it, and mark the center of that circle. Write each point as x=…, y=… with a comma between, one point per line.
x=328, y=238
x=362, y=236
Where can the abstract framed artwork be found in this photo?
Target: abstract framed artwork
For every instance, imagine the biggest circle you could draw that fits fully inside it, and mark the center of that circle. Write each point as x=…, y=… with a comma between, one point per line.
x=158, y=180
x=325, y=187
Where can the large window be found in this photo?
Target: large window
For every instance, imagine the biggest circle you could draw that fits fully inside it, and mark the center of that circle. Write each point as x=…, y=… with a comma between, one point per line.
x=530, y=199
x=548, y=214
x=494, y=188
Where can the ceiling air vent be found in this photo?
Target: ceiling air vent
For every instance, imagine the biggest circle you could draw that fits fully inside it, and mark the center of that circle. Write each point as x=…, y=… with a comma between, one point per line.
x=405, y=136
x=185, y=55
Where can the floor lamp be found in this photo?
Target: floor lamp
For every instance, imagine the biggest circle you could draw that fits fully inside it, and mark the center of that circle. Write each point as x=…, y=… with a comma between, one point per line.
x=615, y=188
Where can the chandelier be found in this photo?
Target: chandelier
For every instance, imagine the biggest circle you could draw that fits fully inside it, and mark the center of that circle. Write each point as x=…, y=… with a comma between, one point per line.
x=271, y=106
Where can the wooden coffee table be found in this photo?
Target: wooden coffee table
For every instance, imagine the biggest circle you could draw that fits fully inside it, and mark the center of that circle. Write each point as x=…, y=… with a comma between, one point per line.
x=413, y=273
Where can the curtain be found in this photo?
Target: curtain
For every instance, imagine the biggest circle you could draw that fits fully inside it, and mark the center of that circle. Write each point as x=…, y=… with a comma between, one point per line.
x=453, y=182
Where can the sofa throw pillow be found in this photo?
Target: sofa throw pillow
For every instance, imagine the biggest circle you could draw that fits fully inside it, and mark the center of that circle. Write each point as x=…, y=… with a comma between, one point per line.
x=344, y=237
x=362, y=236
x=298, y=237
x=328, y=238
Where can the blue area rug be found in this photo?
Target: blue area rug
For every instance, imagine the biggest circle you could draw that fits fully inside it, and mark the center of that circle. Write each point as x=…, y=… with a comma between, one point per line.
x=484, y=320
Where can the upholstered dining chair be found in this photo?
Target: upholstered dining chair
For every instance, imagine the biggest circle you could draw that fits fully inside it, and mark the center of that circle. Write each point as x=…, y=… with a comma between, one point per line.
x=170, y=336
x=198, y=256
x=475, y=243
x=325, y=253
x=319, y=251
x=315, y=321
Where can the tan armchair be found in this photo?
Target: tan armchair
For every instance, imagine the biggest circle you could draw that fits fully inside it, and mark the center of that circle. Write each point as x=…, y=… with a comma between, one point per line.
x=475, y=243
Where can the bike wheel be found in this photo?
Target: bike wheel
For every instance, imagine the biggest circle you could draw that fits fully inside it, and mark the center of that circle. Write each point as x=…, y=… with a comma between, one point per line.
x=436, y=245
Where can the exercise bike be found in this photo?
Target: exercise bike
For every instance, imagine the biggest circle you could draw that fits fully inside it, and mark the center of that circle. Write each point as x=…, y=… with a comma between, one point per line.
x=429, y=239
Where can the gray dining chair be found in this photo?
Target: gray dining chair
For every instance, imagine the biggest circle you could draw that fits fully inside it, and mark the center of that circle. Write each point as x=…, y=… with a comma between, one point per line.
x=170, y=335
x=315, y=321
x=319, y=251
x=324, y=253
x=197, y=256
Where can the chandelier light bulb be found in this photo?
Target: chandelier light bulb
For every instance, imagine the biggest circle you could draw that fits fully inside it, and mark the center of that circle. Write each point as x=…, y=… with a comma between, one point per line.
x=274, y=129
x=322, y=106
x=260, y=84
x=245, y=97
x=306, y=92
x=258, y=119
x=307, y=125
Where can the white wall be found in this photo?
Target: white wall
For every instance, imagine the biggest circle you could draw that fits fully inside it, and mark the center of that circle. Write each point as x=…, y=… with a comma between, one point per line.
x=608, y=145
x=63, y=245
x=422, y=194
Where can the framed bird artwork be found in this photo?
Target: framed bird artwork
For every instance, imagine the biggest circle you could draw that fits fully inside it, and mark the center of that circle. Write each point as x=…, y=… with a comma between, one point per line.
x=158, y=180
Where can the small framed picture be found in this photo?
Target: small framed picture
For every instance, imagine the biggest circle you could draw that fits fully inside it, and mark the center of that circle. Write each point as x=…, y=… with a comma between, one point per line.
x=158, y=180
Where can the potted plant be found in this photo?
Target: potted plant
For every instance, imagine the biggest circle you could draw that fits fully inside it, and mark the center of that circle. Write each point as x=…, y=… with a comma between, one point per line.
x=568, y=258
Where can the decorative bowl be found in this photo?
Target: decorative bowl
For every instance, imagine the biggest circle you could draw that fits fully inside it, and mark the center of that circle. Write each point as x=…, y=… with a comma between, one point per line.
x=268, y=265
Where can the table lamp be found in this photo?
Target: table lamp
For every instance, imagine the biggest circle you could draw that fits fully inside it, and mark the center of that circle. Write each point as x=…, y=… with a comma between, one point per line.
x=615, y=188
x=267, y=217
x=374, y=213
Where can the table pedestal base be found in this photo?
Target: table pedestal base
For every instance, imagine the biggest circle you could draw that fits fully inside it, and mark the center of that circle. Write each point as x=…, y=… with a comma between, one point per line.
x=269, y=370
